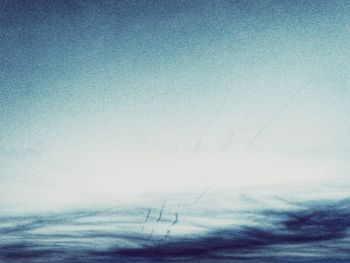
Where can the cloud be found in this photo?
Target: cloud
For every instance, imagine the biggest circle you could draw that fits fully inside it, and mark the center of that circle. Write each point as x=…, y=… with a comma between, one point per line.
x=307, y=228
x=311, y=230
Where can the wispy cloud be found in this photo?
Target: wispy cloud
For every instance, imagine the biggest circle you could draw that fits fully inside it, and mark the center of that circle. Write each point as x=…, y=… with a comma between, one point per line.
x=309, y=230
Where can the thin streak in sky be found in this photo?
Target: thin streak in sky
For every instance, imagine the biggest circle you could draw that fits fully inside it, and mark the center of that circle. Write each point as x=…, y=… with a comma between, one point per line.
x=177, y=147
x=275, y=117
x=202, y=194
x=196, y=148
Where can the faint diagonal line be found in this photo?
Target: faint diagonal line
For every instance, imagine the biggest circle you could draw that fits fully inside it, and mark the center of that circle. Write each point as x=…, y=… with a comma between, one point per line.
x=275, y=117
x=202, y=194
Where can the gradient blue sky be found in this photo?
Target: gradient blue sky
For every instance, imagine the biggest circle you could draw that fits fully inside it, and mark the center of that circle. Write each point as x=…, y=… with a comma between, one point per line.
x=140, y=96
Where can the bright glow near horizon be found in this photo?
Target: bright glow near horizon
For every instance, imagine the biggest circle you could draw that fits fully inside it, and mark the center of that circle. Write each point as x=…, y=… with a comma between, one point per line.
x=106, y=101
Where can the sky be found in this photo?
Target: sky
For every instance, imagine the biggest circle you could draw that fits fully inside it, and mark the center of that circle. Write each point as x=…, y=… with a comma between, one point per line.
x=100, y=99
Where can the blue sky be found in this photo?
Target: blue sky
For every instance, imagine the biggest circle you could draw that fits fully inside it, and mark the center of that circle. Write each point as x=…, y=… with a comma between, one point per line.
x=132, y=95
